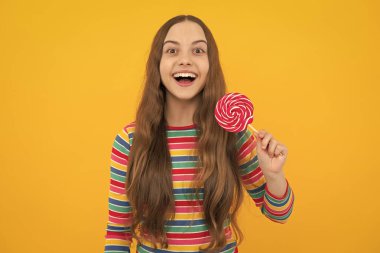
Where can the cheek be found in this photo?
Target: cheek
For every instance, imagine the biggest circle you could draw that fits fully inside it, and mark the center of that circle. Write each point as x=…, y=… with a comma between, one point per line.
x=205, y=69
x=165, y=67
x=162, y=67
x=205, y=65
x=163, y=71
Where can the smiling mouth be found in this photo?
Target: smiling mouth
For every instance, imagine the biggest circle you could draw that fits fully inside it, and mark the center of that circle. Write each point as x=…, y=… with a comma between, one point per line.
x=187, y=79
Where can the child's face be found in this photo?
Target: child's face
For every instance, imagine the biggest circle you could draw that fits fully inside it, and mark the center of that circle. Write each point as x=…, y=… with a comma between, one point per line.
x=184, y=54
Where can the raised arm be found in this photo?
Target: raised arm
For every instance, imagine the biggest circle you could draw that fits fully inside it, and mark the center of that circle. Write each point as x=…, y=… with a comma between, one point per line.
x=118, y=232
x=275, y=208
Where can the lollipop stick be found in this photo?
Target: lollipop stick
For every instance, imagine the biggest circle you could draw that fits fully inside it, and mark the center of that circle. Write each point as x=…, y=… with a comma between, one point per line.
x=253, y=128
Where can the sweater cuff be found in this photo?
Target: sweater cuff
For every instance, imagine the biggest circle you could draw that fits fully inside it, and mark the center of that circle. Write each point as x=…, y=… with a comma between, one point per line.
x=275, y=196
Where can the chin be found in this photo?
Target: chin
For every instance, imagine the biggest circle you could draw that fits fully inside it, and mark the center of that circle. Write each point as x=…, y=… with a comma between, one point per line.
x=185, y=96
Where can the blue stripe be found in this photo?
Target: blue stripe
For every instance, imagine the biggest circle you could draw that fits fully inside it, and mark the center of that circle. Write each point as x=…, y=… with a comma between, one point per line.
x=278, y=204
x=118, y=202
x=257, y=190
x=185, y=222
x=186, y=190
x=118, y=172
x=113, y=228
x=184, y=158
x=130, y=136
x=122, y=142
x=229, y=246
x=250, y=162
x=120, y=248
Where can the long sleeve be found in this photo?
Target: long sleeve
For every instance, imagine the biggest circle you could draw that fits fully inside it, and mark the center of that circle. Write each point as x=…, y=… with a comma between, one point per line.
x=275, y=208
x=118, y=232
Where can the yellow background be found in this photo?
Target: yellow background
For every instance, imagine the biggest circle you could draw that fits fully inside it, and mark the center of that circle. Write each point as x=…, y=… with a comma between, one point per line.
x=71, y=75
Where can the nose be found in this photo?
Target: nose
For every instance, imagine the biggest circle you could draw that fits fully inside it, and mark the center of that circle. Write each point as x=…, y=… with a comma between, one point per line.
x=184, y=59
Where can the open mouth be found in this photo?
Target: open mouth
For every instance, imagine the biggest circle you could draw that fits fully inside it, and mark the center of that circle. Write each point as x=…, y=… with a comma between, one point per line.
x=185, y=79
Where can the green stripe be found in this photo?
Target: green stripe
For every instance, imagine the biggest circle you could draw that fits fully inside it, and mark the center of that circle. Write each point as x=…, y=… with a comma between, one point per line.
x=191, y=229
x=250, y=168
x=185, y=229
x=121, y=209
x=127, y=229
x=243, y=139
x=187, y=196
x=257, y=195
x=181, y=133
x=280, y=218
x=178, y=165
x=141, y=249
x=118, y=177
x=229, y=250
x=121, y=148
x=279, y=202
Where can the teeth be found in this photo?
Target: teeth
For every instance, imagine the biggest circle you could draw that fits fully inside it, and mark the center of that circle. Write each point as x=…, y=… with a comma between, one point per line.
x=185, y=75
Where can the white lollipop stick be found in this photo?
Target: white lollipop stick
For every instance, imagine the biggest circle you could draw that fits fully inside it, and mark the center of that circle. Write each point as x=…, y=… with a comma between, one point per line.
x=249, y=125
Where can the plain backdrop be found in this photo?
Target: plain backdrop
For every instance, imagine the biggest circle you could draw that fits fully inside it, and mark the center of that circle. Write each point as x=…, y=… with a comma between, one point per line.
x=71, y=74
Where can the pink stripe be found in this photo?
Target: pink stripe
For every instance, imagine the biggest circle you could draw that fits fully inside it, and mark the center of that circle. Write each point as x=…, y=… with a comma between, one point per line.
x=253, y=179
x=193, y=241
x=118, y=220
x=116, y=237
x=118, y=159
x=181, y=145
x=186, y=209
x=189, y=241
x=183, y=177
x=117, y=189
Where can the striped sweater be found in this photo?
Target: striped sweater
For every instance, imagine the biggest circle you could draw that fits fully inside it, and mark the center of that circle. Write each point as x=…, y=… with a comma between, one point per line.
x=187, y=232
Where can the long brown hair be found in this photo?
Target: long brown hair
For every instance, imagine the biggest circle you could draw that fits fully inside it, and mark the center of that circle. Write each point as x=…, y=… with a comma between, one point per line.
x=149, y=177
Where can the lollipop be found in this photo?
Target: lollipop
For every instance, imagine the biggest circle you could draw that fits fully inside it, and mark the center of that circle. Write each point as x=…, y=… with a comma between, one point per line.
x=234, y=112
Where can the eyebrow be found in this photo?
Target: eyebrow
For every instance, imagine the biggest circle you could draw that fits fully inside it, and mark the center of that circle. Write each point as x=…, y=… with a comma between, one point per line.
x=177, y=43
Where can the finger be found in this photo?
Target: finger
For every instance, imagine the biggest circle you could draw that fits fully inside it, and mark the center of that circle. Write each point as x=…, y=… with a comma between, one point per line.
x=262, y=133
x=259, y=133
x=278, y=150
x=265, y=140
x=272, y=146
x=284, y=151
x=281, y=150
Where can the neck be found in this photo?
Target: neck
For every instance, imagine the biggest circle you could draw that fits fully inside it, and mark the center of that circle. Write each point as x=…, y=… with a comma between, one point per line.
x=180, y=112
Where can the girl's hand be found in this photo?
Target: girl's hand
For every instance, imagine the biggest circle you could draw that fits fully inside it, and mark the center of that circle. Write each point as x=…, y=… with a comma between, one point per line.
x=271, y=153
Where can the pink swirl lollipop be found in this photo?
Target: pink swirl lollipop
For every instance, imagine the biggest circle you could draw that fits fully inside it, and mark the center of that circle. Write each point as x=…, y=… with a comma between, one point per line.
x=234, y=112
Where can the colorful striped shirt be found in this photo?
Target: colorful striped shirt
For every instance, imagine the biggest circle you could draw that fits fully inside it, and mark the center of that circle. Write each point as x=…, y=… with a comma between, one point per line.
x=187, y=232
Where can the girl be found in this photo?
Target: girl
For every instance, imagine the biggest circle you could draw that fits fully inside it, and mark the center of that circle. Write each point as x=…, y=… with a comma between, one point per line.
x=177, y=177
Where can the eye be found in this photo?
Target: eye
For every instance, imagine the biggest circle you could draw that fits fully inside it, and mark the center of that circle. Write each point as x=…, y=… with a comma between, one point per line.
x=198, y=49
x=170, y=50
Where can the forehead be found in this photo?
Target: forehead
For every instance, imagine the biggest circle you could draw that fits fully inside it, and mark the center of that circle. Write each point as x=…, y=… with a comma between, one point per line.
x=185, y=32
